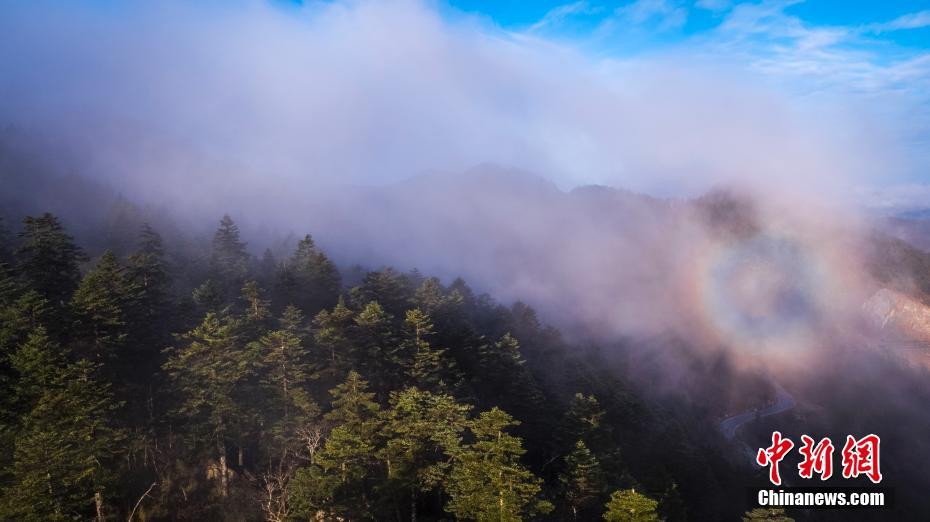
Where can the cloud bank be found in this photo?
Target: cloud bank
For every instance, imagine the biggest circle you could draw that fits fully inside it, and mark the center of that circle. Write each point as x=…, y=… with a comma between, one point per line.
x=244, y=100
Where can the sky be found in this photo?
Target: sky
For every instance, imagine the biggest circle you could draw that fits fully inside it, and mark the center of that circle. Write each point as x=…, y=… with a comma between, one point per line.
x=670, y=98
x=877, y=53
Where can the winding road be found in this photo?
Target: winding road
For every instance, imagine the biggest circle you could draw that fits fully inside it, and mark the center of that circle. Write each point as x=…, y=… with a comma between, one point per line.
x=783, y=402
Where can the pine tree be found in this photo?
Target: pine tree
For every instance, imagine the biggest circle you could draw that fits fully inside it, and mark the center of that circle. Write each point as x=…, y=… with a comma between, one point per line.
x=629, y=506
x=210, y=374
x=286, y=373
x=767, y=515
x=150, y=318
x=6, y=245
x=37, y=363
x=585, y=421
x=100, y=310
x=582, y=482
x=229, y=261
x=257, y=308
x=430, y=296
x=147, y=272
x=506, y=382
x=66, y=447
x=332, y=337
x=21, y=311
x=381, y=354
x=267, y=267
x=430, y=369
x=487, y=481
x=386, y=287
x=209, y=296
x=421, y=428
x=49, y=259
x=349, y=452
x=584, y=417
x=309, y=280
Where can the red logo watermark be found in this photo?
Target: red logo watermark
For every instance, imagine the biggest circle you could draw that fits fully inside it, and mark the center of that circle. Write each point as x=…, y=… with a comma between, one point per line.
x=859, y=457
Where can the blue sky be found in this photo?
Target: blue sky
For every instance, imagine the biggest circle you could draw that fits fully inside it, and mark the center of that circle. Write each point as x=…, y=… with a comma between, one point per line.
x=874, y=54
x=679, y=19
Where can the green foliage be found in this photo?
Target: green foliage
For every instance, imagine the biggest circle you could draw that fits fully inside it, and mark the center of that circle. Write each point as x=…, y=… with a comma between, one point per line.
x=209, y=296
x=337, y=481
x=65, y=446
x=381, y=357
x=225, y=422
x=229, y=260
x=582, y=482
x=286, y=374
x=387, y=287
x=629, y=506
x=100, y=307
x=257, y=308
x=487, y=481
x=431, y=369
x=767, y=515
x=309, y=280
x=332, y=336
x=421, y=429
x=211, y=374
x=146, y=274
x=48, y=258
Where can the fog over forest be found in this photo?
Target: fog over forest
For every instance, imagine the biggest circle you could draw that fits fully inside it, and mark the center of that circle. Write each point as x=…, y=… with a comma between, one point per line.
x=620, y=252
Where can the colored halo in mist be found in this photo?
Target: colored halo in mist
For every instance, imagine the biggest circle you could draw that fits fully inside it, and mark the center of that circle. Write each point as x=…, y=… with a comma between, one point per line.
x=761, y=292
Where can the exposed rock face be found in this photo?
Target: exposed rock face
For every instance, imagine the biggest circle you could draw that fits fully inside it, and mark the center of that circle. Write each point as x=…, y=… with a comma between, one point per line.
x=897, y=311
x=903, y=323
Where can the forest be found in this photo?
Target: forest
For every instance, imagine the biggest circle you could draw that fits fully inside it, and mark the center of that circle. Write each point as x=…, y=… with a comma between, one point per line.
x=146, y=385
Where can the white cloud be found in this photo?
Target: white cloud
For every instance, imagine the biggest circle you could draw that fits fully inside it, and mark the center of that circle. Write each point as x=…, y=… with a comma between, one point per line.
x=713, y=5
x=179, y=98
x=666, y=13
x=909, y=21
x=557, y=15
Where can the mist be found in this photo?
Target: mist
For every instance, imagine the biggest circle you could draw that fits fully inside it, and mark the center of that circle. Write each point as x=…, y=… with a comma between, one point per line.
x=250, y=96
x=711, y=232
x=409, y=134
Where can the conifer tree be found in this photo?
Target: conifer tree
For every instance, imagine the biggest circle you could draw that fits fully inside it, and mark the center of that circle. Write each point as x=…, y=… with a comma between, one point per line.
x=309, y=279
x=629, y=506
x=100, y=310
x=229, y=261
x=767, y=515
x=147, y=272
x=430, y=369
x=429, y=296
x=582, y=482
x=381, y=354
x=21, y=311
x=286, y=373
x=388, y=288
x=257, y=308
x=332, y=337
x=210, y=374
x=506, y=382
x=48, y=258
x=349, y=452
x=584, y=417
x=487, y=481
x=66, y=447
x=209, y=296
x=267, y=266
x=420, y=429
x=6, y=245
